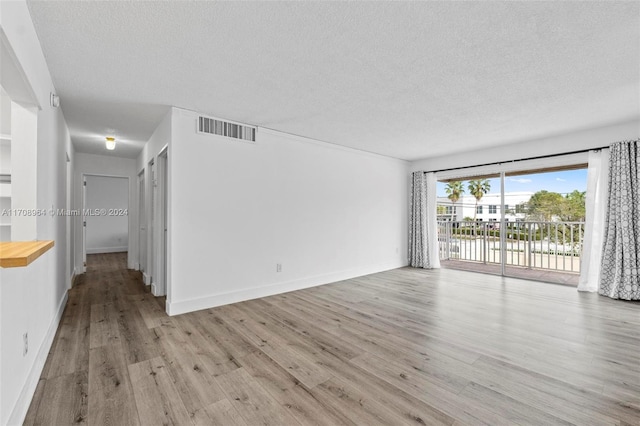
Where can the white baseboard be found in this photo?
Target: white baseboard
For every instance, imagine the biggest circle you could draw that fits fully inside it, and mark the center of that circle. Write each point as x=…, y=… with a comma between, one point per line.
x=184, y=306
x=26, y=395
x=100, y=250
x=146, y=279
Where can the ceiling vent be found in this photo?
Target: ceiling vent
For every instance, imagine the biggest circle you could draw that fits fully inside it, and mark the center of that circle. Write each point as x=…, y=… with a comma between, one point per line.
x=212, y=126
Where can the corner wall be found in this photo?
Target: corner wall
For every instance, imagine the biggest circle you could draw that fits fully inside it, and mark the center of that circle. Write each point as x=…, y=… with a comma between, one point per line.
x=324, y=212
x=160, y=139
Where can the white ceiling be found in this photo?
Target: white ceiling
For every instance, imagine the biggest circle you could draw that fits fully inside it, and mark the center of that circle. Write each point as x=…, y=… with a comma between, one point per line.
x=407, y=80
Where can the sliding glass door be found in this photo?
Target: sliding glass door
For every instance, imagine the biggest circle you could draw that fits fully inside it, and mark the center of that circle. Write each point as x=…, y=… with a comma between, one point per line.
x=525, y=223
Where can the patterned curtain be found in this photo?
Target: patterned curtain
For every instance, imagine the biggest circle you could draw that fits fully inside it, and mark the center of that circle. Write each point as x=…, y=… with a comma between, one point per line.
x=423, y=239
x=620, y=274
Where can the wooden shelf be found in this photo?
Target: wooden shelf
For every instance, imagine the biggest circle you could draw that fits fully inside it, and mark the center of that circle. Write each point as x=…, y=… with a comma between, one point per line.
x=21, y=253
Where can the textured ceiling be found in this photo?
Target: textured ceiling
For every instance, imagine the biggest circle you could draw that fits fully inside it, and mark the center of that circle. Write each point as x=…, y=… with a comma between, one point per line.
x=407, y=80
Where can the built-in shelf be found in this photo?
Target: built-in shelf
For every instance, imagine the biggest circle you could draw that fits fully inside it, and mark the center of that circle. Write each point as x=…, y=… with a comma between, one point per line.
x=21, y=253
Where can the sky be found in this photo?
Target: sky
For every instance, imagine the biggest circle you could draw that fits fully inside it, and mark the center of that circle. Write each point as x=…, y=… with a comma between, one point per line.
x=562, y=182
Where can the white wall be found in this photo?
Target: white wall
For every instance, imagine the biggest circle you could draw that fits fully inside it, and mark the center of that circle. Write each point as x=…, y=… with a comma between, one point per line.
x=576, y=141
x=102, y=165
x=158, y=141
x=324, y=212
x=108, y=231
x=33, y=298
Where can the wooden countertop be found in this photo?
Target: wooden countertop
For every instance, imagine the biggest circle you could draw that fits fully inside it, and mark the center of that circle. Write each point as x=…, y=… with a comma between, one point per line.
x=21, y=253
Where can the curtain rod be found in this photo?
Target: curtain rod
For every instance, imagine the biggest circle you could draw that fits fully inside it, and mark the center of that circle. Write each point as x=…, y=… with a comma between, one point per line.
x=515, y=161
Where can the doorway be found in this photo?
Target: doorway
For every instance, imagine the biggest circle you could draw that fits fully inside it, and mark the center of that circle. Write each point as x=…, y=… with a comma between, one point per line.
x=162, y=224
x=105, y=214
x=150, y=276
x=70, y=269
x=142, y=226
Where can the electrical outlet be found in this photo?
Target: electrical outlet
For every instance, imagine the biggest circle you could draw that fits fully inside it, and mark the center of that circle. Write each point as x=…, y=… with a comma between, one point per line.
x=25, y=346
x=278, y=267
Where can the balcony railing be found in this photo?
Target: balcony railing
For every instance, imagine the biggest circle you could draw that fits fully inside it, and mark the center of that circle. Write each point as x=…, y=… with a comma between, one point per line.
x=555, y=246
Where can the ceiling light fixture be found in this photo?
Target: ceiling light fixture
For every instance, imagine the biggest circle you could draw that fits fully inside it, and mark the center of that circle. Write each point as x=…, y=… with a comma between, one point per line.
x=111, y=143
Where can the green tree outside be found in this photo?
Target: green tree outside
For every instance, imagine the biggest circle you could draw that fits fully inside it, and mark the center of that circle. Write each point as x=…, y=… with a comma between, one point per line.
x=574, y=209
x=548, y=206
x=545, y=206
x=478, y=188
x=454, y=191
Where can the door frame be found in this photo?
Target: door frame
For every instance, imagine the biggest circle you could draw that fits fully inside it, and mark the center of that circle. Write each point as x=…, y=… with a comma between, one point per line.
x=142, y=223
x=161, y=224
x=150, y=274
x=84, y=210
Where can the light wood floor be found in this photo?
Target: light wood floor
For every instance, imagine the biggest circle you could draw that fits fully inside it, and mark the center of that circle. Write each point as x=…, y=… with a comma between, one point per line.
x=406, y=346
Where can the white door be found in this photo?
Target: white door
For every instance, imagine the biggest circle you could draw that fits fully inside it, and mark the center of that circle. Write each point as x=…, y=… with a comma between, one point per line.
x=84, y=223
x=142, y=225
x=162, y=224
x=70, y=241
x=151, y=249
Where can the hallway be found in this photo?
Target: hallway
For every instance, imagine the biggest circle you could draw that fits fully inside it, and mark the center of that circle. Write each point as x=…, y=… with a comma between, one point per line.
x=103, y=330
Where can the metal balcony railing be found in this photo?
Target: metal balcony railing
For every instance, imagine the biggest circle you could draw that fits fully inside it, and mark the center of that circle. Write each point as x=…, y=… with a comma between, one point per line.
x=555, y=246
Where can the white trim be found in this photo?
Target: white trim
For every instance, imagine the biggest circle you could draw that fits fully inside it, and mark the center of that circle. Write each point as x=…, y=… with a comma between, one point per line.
x=181, y=307
x=99, y=250
x=146, y=279
x=26, y=395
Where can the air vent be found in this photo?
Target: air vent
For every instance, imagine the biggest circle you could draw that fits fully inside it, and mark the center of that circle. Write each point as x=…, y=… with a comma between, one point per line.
x=224, y=128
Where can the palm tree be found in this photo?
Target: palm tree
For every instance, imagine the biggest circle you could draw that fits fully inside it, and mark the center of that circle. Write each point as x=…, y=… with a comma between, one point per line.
x=454, y=190
x=478, y=188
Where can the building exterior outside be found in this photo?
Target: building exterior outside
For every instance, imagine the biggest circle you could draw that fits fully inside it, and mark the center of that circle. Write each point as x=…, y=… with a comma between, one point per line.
x=488, y=209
